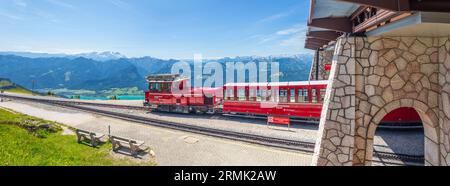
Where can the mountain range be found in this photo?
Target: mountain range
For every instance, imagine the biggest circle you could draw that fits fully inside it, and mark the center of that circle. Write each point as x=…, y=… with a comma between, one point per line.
x=98, y=56
x=106, y=70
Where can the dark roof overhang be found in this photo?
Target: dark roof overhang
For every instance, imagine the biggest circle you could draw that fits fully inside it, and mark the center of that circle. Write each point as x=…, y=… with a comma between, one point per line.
x=406, y=5
x=329, y=19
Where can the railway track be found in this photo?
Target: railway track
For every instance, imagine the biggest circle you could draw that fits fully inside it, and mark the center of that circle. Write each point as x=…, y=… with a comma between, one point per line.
x=303, y=146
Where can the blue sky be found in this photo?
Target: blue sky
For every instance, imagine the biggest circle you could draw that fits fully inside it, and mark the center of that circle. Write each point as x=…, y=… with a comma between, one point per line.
x=159, y=28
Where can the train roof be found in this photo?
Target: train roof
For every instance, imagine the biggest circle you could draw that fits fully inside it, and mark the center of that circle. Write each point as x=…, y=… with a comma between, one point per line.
x=293, y=83
x=165, y=78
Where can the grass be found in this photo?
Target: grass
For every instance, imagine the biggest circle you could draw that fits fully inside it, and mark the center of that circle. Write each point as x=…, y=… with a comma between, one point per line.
x=29, y=141
x=5, y=83
x=19, y=91
x=16, y=89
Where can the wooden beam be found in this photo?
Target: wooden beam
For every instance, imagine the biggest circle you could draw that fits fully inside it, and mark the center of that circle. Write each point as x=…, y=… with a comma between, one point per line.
x=312, y=47
x=394, y=5
x=430, y=5
x=313, y=44
x=326, y=35
x=340, y=24
x=317, y=41
x=312, y=3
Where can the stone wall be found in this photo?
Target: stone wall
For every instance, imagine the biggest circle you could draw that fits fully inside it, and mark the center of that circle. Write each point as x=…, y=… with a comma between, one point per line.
x=444, y=104
x=325, y=57
x=371, y=77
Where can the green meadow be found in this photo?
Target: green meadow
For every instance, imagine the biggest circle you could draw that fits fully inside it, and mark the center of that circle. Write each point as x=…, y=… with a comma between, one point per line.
x=29, y=141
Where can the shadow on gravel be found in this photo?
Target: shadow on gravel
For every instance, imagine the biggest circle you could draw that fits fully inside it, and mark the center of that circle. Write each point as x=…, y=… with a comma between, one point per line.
x=401, y=142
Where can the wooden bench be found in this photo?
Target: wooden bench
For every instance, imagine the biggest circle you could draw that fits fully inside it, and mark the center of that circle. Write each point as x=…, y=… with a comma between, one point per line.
x=134, y=145
x=92, y=137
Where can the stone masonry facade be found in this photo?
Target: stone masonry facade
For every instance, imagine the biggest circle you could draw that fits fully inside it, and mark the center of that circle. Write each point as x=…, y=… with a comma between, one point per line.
x=325, y=57
x=372, y=76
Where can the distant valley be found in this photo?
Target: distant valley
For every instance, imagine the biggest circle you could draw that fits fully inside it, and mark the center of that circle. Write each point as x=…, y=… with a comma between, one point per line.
x=103, y=72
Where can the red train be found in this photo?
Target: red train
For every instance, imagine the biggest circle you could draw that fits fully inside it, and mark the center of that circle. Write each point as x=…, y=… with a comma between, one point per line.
x=298, y=100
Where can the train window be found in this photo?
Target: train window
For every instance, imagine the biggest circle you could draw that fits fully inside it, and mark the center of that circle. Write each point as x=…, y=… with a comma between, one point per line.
x=300, y=96
x=314, y=95
x=231, y=95
x=292, y=96
x=252, y=94
x=227, y=94
x=275, y=95
x=157, y=87
x=322, y=95
x=266, y=95
x=167, y=87
x=241, y=95
x=283, y=98
x=303, y=96
x=164, y=87
x=258, y=95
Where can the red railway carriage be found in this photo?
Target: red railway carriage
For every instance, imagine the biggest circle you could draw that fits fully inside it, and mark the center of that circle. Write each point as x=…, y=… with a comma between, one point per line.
x=293, y=99
x=298, y=100
x=302, y=100
x=171, y=93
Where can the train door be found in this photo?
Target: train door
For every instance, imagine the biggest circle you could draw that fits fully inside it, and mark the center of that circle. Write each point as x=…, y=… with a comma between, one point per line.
x=209, y=99
x=292, y=97
x=314, y=98
x=252, y=94
x=302, y=95
x=322, y=94
x=283, y=95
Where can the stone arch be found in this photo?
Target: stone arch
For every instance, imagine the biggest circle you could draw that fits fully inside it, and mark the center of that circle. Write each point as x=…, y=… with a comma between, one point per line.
x=370, y=77
x=429, y=120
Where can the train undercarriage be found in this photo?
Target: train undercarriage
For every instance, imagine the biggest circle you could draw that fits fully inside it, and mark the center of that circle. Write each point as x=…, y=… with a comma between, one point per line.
x=182, y=109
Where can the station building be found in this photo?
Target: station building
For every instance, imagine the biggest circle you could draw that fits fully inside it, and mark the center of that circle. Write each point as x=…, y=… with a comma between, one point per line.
x=384, y=55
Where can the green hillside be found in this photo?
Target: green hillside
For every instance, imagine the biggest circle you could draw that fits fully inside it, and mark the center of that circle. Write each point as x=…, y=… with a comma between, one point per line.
x=7, y=86
x=29, y=141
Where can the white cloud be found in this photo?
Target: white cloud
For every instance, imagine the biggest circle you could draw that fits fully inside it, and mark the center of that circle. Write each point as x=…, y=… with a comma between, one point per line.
x=295, y=36
x=275, y=17
x=61, y=3
x=267, y=38
x=284, y=37
x=297, y=40
x=10, y=16
x=280, y=15
x=290, y=31
x=20, y=3
x=120, y=4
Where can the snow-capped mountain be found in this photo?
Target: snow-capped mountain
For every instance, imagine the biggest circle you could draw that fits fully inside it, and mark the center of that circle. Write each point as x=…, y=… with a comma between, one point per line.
x=98, y=56
x=101, y=56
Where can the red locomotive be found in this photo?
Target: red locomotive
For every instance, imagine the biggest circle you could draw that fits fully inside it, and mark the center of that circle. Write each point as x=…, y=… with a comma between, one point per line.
x=161, y=95
x=298, y=100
